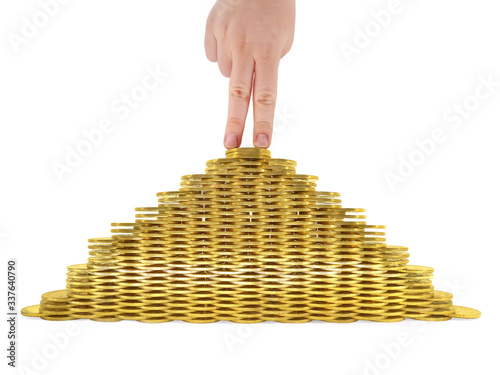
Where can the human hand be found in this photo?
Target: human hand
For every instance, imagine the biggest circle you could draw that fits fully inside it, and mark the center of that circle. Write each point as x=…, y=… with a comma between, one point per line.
x=248, y=37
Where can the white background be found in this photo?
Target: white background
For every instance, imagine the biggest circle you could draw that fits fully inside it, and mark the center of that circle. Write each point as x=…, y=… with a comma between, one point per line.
x=347, y=122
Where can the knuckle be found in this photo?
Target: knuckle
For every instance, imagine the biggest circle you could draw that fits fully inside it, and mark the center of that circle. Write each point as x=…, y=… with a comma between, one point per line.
x=266, y=99
x=268, y=53
x=242, y=42
x=240, y=93
x=235, y=121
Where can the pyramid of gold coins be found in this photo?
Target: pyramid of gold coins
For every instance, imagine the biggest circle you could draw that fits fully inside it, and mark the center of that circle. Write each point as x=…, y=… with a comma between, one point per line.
x=248, y=241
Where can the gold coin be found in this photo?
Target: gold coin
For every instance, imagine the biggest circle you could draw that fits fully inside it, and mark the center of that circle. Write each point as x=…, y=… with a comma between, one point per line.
x=387, y=319
x=77, y=267
x=419, y=269
x=50, y=312
x=417, y=304
x=419, y=309
x=340, y=320
x=446, y=312
x=441, y=304
x=54, y=306
x=442, y=296
x=33, y=311
x=433, y=318
x=56, y=296
x=465, y=313
x=109, y=319
x=154, y=320
x=100, y=240
x=58, y=317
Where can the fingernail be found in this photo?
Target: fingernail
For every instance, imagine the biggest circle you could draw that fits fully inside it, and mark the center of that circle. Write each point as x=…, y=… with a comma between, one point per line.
x=231, y=140
x=261, y=140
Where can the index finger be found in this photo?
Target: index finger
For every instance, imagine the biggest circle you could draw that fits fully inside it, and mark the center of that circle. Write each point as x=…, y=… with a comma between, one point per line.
x=240, y=88
x=265, y=90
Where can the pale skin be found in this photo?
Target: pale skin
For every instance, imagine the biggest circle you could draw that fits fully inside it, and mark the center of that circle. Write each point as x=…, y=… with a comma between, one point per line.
x=247, y=38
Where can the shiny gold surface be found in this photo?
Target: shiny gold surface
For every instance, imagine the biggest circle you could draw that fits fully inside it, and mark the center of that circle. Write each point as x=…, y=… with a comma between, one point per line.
x=465, y=313
x=33, y=311
x=248, y=241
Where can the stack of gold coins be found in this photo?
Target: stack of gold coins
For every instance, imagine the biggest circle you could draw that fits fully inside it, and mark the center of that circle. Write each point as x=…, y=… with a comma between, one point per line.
x=77, y=281
x=151, y=267
x=348, y=256
x=298, y=190
x=55, y=305
x=438, y=307
x=103, y=277
x=419, y=290
x=226, y=230
x=441, y=307
x=79, y=290
x=371, y=273
x=323, y=240
x=85, y=298
x=176, y=259
x=249, y=240
x=201, y=234
x=125, y=276
x=273, y=228
x=395, y=260
x=235, y=255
